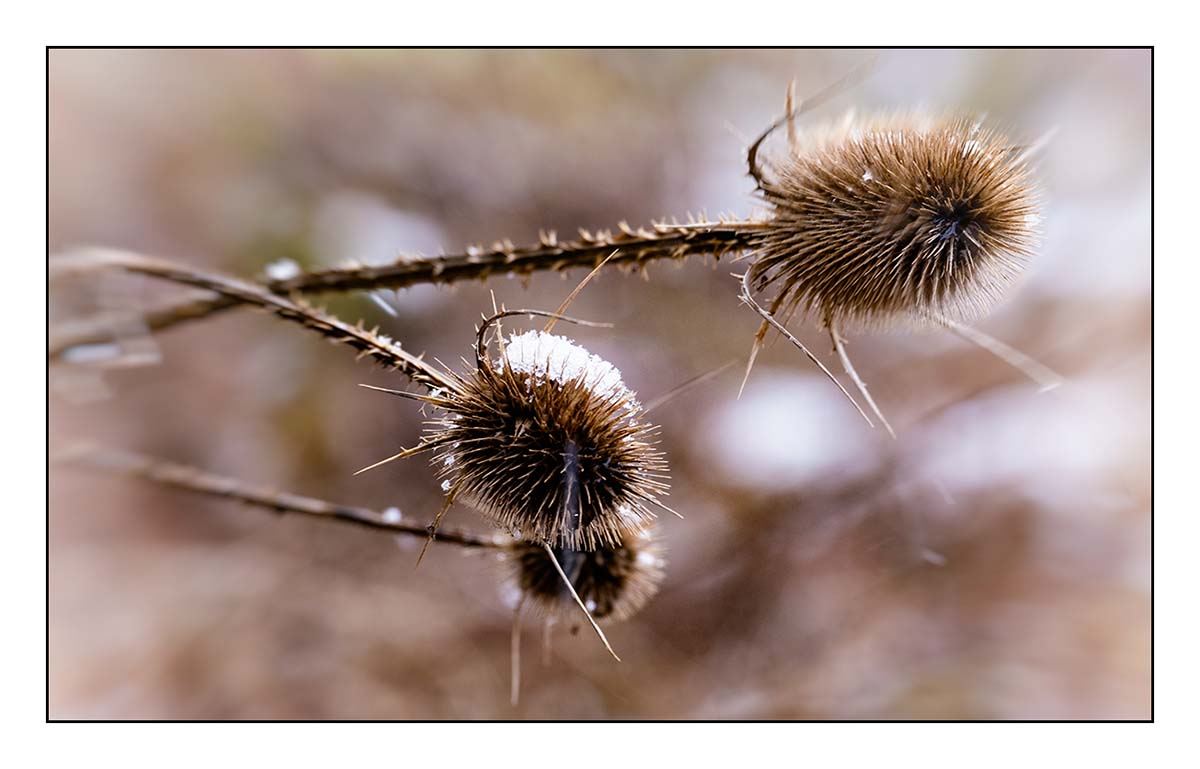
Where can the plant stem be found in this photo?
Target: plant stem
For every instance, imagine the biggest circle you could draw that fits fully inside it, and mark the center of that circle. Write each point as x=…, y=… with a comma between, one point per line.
x=200, y=482
x=383, y=349
x=633, y=249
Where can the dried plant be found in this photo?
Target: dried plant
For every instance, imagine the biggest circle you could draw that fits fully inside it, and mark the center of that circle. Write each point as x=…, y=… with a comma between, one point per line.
x=611, y=583
x=549, y=443
x=614, y=581
x=551, y=446
x=894, y=220
x=907, y=219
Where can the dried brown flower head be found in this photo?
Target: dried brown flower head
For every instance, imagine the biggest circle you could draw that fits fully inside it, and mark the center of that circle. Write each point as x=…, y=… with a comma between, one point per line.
x=549, y=444
x=895, y=219
x=614, y=582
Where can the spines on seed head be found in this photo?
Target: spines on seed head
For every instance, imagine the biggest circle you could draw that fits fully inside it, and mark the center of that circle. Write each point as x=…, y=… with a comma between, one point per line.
x=896, y=219
x=551, y=445
x=614, y=582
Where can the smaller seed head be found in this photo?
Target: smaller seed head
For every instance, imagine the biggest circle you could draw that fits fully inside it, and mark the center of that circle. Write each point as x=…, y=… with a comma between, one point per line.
x=614, y=581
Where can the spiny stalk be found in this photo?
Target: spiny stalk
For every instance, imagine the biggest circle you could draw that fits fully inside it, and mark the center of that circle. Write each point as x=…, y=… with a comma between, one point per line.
x=626, y=247
x=369, y=343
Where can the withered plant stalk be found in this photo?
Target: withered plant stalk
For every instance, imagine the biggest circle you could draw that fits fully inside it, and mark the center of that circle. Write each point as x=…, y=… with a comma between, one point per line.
x=629, y=248
x=198, y=481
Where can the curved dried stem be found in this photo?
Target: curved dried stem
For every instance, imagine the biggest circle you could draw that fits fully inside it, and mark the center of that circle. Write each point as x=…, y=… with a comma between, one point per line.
x=627, y=247
x=371, y=344
x=840, y=347
x=748, y=298
x=850, y=79
x=198, y=481
x=481, y=345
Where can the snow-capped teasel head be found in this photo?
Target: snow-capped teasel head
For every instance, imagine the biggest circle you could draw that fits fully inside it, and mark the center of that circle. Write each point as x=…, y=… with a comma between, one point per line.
x=547, y=442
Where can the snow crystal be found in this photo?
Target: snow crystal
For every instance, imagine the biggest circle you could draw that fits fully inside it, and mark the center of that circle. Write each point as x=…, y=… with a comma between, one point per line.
x=392, y=515
x=445, y=485
x=546, y=356
x=282, y=269
x=91, y=353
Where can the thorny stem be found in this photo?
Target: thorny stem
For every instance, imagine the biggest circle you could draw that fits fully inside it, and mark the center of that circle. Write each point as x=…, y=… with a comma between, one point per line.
x=627, y=247
x=198, y=481
x=369, y=343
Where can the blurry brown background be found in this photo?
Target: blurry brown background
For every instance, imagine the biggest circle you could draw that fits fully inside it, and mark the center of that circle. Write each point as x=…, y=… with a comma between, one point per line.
x=992, y=563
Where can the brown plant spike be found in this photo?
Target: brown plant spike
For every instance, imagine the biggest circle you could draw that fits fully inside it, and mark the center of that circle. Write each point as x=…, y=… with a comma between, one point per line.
x=895, y=220
x=614, y=581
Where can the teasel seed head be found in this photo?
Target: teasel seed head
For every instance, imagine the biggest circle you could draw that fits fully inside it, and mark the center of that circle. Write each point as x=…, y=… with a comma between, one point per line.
x=549, y=444
x=614, y=581
x=894, y=220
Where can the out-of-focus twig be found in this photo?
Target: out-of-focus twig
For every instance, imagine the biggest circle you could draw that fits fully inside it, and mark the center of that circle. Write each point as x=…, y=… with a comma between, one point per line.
x=369, y=343
x=102, y=330
x=198, y=481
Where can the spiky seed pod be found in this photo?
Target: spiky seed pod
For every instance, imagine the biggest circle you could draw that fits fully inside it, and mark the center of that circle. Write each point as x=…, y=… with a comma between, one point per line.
x=550, y=445
x=895, y=219
x=614, y=582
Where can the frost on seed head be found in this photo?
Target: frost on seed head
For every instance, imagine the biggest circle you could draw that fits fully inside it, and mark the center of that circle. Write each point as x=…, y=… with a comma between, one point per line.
x=282, y=269
x=547, y=442
x=543, y=356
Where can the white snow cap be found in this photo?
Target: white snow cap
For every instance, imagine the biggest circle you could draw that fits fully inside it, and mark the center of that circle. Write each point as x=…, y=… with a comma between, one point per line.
x=282, y=269
x=546, y=356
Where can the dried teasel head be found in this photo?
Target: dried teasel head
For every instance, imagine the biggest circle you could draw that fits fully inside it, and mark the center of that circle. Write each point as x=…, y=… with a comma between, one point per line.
x=614, y=582
x=895, y=219
x=548, y=443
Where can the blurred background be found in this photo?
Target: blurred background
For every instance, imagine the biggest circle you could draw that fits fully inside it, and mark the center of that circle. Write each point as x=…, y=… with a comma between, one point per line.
x=994, y=562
